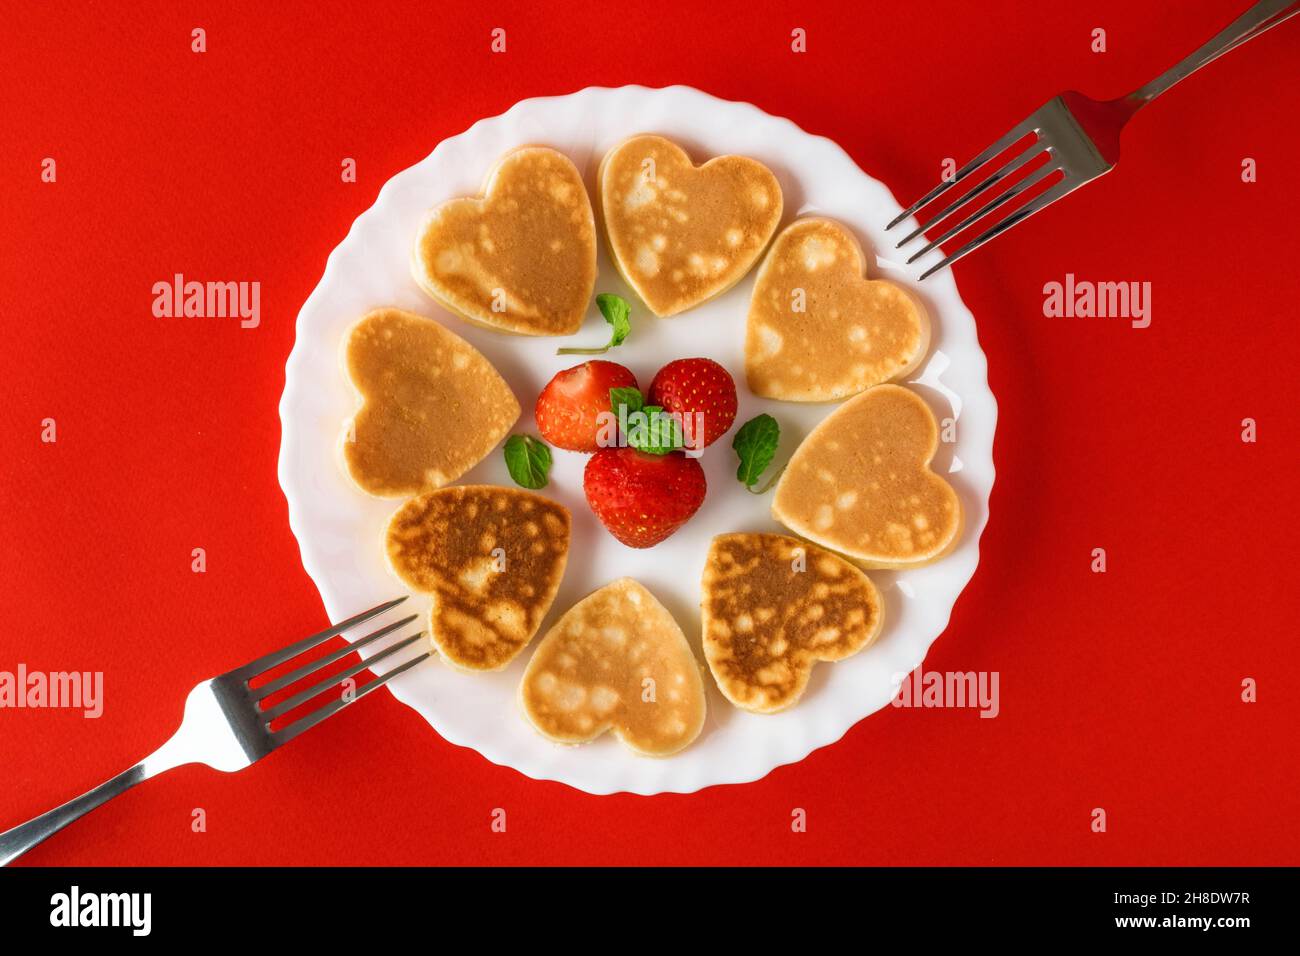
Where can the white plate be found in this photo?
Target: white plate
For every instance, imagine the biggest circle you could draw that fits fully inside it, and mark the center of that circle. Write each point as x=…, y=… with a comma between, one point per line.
x=340, y=531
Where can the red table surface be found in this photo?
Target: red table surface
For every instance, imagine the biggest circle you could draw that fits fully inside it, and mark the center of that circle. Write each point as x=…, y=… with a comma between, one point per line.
x=1119, y=690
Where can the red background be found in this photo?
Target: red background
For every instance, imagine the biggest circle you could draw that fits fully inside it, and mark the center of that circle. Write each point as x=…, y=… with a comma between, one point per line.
x=1119, y=691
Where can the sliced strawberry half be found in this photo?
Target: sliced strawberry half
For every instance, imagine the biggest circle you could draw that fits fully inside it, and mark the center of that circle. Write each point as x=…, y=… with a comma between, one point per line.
x=569, y=407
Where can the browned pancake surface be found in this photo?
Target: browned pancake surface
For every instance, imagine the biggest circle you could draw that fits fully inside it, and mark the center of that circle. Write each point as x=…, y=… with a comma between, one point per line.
x=432, y=405
x=616, y=660
x=491, y=558
x=774, y=606
x=681, y=234
x=520, y=259
x=818, y=329
x=861, y=484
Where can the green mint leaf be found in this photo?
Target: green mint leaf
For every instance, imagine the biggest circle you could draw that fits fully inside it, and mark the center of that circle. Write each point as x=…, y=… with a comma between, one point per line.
x=659, y=435
x=618, y=314
x=528, y=460
x=755, y=444
x=630, y=397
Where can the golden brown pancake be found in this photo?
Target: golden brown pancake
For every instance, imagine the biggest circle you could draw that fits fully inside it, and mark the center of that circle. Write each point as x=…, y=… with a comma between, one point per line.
x=616, y=661
x=491, y=558
x=860, y=483
x=521, y=257
x=431, y=407
x=818, y=329
x=773, y=607
x=678, y=233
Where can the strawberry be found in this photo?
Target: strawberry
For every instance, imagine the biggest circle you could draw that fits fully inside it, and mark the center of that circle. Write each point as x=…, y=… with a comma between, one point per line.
x=643, y=498
x=568, y=407
x=696, y=386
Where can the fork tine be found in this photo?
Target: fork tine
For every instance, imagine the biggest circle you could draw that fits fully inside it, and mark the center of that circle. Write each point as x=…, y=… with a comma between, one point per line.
x=1012, y=166
x=1011, y=193
x=266, y=690
x=262, y=664
x=1062, y=188
x=285, y=734
x=1020, y=129
x=305, y=695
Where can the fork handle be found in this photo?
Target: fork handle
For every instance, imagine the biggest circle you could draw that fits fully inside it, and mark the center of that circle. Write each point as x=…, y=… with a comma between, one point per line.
x=14, y=843
x=1262, y=16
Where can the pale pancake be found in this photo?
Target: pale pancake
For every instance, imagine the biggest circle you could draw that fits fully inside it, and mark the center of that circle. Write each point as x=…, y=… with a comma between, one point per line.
x=860, y=483
x=680, y=234
x=431, y=407
x=818, y=329
x=616, y=661
x=773, y=607
x=491, y=559
x=520, y=258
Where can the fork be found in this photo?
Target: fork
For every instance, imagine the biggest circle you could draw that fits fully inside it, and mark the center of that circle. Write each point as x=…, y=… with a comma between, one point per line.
x=224, y=726
x=1080, y=137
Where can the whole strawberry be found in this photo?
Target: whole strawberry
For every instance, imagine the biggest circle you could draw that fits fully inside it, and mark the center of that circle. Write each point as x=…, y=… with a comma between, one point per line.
x=643, y=498
x=567, y=410
x=697, y=386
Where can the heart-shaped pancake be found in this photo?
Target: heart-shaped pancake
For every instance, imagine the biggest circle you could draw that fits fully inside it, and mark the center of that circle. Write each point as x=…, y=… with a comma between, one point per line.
x=491, y=559
x=773, y=607
x=678, y=233
x=431, y=406
x=861, y=484
x=818, y=329
x=521, y=257
x=616, y=661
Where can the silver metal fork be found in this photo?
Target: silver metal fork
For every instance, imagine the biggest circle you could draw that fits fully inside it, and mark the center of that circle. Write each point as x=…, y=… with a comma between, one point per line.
x=224, y=726
x=1080, y=137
